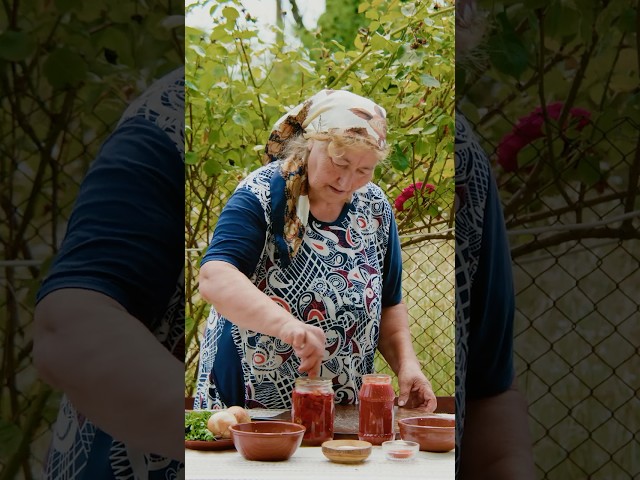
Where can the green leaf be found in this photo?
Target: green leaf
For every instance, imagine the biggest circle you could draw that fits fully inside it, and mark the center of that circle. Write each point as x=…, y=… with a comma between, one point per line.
x=428, y=81
x=508, y=54
x=199, y=50
x=306, y=66
x=192, y=86
x=589, y=170
x=561, y=21
x=15, y=46
x=191, y=158
x=230, y=14
x=372, y=14
x=339, y=45
x=241, y=118
x=220, y=33
x=408, y=9
x=10, y=435
x=195, y=425
x=212, y=167
x=431, y=129
x=421, y=147
x=379, y=42
x=398, y=159
x=64, y=68
x=627, y=22
x=245, y=34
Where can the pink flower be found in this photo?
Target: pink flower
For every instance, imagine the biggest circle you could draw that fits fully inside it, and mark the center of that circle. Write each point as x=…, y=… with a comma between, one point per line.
x=409, y=192
x=528, y=128
x=508, y=150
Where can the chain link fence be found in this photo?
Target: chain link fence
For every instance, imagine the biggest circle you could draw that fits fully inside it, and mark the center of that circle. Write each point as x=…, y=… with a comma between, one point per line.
x=575, y=245
x=36, y=202
x=428, y=281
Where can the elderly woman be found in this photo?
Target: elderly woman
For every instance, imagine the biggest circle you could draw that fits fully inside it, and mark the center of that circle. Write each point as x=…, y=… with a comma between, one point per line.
x=304, y=268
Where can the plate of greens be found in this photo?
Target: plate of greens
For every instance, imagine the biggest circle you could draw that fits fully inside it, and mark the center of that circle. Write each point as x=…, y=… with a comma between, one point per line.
x=196, y=434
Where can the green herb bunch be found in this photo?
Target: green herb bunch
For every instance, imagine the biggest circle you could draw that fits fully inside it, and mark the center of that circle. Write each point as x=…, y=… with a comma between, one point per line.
x=195, y=425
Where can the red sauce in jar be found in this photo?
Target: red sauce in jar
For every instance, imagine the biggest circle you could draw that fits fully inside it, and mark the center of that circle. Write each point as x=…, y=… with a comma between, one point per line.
x=376, y=416
x=313, y=407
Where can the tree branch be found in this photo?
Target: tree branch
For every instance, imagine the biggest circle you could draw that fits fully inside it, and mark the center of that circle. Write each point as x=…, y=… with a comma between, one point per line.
x=296, y=14
x=428, y=236
x=574, y=235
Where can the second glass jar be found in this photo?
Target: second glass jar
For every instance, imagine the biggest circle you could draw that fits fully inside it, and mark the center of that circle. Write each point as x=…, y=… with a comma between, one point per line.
x=376, y=409
x=312, y=405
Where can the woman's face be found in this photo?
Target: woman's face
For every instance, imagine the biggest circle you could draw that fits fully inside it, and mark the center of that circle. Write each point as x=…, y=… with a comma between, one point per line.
x=333, y=180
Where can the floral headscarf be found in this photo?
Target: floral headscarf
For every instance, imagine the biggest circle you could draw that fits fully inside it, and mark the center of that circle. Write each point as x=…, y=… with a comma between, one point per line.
x=328, y=111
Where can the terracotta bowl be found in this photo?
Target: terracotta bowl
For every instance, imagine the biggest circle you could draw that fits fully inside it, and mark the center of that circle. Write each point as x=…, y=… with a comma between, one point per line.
x=268, y=441
x=434, y=433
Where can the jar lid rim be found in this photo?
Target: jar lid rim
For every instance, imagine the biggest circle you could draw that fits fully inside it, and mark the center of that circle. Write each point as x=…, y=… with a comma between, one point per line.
x=376, y=377
x=313, y=381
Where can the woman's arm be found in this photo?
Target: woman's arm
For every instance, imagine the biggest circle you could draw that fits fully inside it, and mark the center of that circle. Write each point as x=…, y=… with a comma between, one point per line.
x=87, y=345
x=496, y=443
x=234, y=296
x=115, y=273
x=396, y=346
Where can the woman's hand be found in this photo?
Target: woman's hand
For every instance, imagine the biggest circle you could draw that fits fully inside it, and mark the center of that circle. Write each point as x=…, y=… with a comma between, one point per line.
x=396, y=346
x=308, y=344
x=415, y=390
x=236, y=298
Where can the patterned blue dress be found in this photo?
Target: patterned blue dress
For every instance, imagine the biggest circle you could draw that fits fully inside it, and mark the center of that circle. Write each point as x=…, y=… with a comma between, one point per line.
x=344, y=274
x=484, y=283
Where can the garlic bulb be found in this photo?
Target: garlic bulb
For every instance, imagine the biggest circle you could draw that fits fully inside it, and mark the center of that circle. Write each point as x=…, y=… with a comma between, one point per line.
x=220, y=422
x=240, y=413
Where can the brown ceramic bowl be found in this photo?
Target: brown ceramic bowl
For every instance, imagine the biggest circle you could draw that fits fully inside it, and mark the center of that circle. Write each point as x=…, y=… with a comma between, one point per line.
x=434, y=433
x=268, y=441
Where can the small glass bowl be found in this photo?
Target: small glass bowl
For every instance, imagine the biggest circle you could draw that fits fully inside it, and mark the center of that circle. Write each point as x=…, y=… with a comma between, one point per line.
x=400, y=450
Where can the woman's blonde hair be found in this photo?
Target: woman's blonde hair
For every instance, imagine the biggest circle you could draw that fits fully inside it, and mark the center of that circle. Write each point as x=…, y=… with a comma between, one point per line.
x=338, y=143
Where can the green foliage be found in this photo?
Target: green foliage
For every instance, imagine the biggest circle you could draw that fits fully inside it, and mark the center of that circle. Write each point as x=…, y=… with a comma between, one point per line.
x=237, y=86
x=339, y=22
x=195, y=425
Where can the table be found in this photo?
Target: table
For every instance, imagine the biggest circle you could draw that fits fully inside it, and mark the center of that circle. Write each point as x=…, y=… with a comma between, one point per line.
x=308, y=463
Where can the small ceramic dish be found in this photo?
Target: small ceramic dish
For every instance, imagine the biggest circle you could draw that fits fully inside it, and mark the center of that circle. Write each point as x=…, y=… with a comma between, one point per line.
x=400, y=450
x=346, y=451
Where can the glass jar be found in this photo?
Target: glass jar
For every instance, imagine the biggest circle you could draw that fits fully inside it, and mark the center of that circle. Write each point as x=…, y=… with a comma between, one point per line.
x=376, y=414
x=312, y=405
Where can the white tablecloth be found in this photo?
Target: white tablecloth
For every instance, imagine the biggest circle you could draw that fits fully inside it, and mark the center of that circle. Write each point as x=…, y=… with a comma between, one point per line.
x=308, y=463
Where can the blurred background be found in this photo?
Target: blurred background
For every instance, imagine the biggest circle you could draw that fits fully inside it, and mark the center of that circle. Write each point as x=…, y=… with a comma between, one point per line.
x=68, y=69
x=552, y=91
